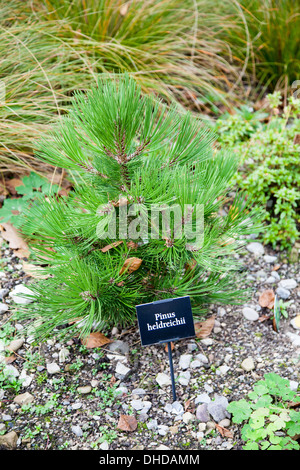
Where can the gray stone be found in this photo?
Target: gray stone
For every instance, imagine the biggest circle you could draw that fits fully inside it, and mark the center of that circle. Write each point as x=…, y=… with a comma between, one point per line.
x=119, y=346
x=202, y=398
x=184, y=378
x=202, y=358
x=76, y=406
x=177, y=407
x=294, y=338
x=121, y=369
x=202, y=413
x=3, y=293
x=270, y=259
x=162, y=429
x=187, y=417
x=3, y=307
x=152, y=425
x=270, y=280
x=288, y=284
x=275, y=275
x=248, y=364
x=11, y=372
x=192, y=346
x=6, y=417
x=122, y=390
x=19, y=294
x=222, y=370
x=283, y=293
x=256, y=248
x=294, y=385
x=53, y=368
x=77, y=431
x=85, y=389
x=63, y=354
x=261, y=274
x=25, y=379
x=217, y=409
x=24, y=398
x=184, y=361
x=195, y=364
x=9, y=440
x=250, y=314
x=137, y=405
x=104, y=445
x=163, y=379
x=138, y=391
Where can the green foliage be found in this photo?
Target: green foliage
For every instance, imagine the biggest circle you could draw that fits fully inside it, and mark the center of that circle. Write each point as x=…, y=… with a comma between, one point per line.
x=269, y=167
x=265, y=413
x=33, y=187
x=124, y=145
x=7, y=380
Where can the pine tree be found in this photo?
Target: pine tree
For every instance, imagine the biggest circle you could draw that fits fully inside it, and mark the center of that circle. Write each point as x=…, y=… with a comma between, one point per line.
x=128, y=154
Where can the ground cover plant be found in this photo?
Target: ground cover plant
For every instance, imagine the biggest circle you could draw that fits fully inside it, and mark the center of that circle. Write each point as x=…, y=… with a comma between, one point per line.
x=268, y=410
x=129, y=155
x=267, y=145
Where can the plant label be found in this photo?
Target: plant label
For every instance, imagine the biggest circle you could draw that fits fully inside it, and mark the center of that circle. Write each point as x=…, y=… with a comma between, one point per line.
x=165, y=320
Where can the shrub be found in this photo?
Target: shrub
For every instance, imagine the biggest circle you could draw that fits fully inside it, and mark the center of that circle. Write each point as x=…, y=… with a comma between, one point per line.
x=130, y=156
x=269, y=167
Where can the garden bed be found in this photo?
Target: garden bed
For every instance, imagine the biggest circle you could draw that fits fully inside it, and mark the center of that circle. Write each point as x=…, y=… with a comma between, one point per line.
x=75, y=396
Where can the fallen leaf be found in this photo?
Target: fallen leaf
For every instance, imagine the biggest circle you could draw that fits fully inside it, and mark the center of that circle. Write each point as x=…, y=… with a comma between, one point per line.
x=12, y=184
x=34, y=271
x=132, y=245
x=264, y=317
x=131, y=264
x=10, y=359
x=112, y=380
x=276, y=267
x=267, y=298
x=127, y=423
x=224, y=431
x=189, y=405
x=204, y=328
x=108, y=247
x=16, y=243
x=95, y=340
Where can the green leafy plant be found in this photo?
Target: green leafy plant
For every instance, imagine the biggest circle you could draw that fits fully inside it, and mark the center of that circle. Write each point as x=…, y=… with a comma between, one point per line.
x=269, y=168
x=8, y=381
x=33, y=187
x=269, y=423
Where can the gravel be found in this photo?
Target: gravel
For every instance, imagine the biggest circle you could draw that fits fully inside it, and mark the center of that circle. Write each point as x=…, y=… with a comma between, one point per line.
x=72, y=397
